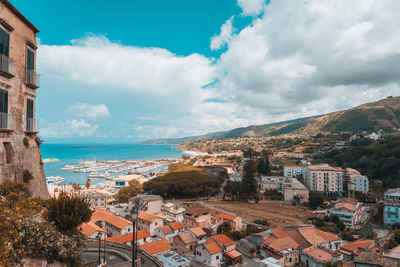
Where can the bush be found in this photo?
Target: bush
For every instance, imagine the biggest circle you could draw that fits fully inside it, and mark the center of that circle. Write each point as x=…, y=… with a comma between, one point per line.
x=26, y=142
x=126, y=192
x=261, y=221
x=39, y=141
x=26, y=176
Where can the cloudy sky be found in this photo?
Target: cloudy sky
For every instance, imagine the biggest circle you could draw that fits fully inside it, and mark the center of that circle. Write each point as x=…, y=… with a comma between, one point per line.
x=125, y=71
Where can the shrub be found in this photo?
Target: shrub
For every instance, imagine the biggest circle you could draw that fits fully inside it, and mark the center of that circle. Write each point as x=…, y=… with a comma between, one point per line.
x=39, y=141
x=26, y=176
x=26, y=142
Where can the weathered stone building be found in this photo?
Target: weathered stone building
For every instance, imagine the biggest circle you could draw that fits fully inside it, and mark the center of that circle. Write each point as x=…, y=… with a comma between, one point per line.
x=20, y=157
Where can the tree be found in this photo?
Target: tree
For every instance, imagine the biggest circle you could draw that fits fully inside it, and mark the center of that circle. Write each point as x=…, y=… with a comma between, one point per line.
x=261, y=168
x=249, y=182
x=87, y=183
x=224, y=228
x=315, y=200
x=126, y=192
x=68, y=211
x=76, y=186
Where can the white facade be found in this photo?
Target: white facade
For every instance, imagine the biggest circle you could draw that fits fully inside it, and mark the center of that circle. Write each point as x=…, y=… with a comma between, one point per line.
x=324, y=178
x=360, y=182
x=292, y=171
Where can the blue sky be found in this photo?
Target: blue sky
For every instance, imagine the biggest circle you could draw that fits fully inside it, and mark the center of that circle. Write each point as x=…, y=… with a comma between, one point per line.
x=125, y=71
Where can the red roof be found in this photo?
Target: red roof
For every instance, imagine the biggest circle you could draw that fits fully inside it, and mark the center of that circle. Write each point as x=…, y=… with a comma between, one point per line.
x=110, y=218
x=212, y=247
x=176, y=225
x=125, y=238
x=224, y=240
x=156, y=247
x=226, y=216
x=90, y=228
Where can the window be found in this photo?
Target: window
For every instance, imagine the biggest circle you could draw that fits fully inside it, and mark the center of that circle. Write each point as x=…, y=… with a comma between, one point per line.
x=4, y=49
x=30, y=126
x=30, y=66
x=3, y=109
x=217, y=257
x=9, y=152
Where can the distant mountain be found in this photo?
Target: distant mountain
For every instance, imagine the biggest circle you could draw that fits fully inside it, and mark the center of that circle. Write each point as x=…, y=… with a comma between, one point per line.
x=383, y=114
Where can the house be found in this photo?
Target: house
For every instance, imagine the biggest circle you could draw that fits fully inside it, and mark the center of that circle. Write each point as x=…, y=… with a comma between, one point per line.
x=92, y=230
x=293, y=171
x=173, y=211
x=172, y=259
x=391, y=210
x=348, y=212
x=234, y=221
x=113, y=225
x=147, y=203
x=290, y=188
x=184, y=243
x=317, y=257
x=96, y=199
x=209, y=253
x=142, y=236
x=372, y=259
x=324, y=178
x=231, y=255
x=393, y=254
x=177, y=227
x=351, y=250
x=316, y=237
x=199, y=234
x=197, y=217
x=149, y=222
x=157, y=247
x=19, y=151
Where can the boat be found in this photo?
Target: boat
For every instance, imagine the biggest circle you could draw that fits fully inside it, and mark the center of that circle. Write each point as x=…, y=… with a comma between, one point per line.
x=68, y=168
x=54, y=179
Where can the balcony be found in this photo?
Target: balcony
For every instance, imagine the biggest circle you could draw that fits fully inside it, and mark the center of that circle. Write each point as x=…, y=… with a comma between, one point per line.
x=5, y=66
x=31, y=125
x=6, y=122
x=32, y=79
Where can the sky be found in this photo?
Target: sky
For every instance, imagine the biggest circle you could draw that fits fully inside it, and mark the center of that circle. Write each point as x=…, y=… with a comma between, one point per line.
x=129, y=70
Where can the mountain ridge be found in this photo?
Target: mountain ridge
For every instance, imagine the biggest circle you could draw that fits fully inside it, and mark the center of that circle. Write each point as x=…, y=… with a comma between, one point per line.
x=382, y=114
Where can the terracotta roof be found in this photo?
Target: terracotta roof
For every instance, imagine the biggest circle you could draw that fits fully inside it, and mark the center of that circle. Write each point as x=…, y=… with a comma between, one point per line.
x=156, y=247
x=145, y=216
x=103, y=215
x=361, y=243
x=197, y=231
x=346, y=206
x=224, y=240
x=320, y=254
x=166, y=230
x=300, y=240
x=226, y=216
x=187, y=238
x=234, y=254
x=324, y=168
x=315, y=236
x=393, y=253
x=176, y=225
x=125, y=238
x=197, y=211
x=212, y=247
x=375, y=259
x=348, y=200
x=90, y=228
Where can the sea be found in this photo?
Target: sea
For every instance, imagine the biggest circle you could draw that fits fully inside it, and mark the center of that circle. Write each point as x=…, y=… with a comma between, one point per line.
x=71, y=154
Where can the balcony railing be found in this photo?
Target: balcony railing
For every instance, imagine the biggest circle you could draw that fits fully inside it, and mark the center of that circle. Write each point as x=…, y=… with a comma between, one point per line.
x=6, y=122
x=32, y=78
x=4, y=63
x=31, y=125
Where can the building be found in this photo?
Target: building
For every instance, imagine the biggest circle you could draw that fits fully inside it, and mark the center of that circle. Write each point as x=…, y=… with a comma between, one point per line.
x=173, y=211
x=348, y=212
x=19, y=146
x=317, y=257
x=149, y=222
x=231, y=255
x=391, y=210
x=91, y=230
x=372, y=259
x=351, y=250
x=293, y=171
x=147, y=203
x=184, y=243
x=142, y=236
x=234, y=221
x=324, y=178
x=290, y=188
x=113, y=225
x=236, y=176
x=96, y=199
x=166, y=232
x=393, y=254
x=360, y=181
x=197, y=217
x=209, y=253
x=172, y=259
x=199, y=234
x=156, y=247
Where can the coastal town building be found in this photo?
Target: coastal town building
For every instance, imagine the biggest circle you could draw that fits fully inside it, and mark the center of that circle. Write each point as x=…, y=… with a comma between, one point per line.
x=184, y=243
x=293, y=171
x=324, y=178
x=199, y=234
x=209, y=253
x=348, y=211
x=170, y=258
x=18, y=85
x=173, y=211
x=351, y=250
x=149, y=222
x=318, y=257
x=96, y=199
x=147, y=203
x=290, y=188
x=157, y=247
x=359, y=181
x=113, y=225
x=91, y=230
x=197, y=217
x=166, y=232
x=142, y=236
x=373, y=259
x=230, y=255
x=234, y=221
x=391, y=210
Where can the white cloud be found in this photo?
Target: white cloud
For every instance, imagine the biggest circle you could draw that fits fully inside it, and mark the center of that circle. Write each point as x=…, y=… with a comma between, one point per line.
x=89, y=111
x=251, y=7
x=69, y=128
x=154, y=131
x=218, y=41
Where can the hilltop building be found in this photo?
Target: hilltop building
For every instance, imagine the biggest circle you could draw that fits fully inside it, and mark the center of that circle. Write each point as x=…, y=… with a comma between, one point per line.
x=391, y=210
x=19, y=148
x=349, y=212
x=290, y=188
x=293, y=171
x=324, y=178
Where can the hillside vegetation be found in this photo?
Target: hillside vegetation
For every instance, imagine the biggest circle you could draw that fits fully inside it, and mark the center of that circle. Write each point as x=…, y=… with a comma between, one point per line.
x=383, y=114
x=377, y=160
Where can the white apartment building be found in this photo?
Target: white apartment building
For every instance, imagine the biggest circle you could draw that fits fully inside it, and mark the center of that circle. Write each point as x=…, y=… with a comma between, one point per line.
x=360, y=182
x=293, y=171
x=324, y=178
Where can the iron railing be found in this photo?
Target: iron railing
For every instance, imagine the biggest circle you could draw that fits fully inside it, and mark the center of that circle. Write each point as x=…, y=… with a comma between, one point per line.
x=31, y=125
x=4, y=63
x=32, y=77
x=6, y=121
